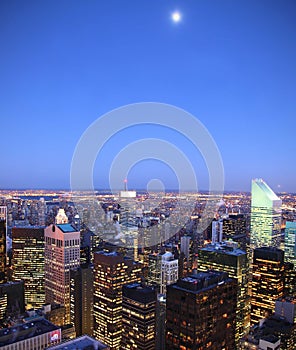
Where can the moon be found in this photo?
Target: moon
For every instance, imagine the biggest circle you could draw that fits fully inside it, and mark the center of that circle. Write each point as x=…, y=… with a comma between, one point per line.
x=176, y=16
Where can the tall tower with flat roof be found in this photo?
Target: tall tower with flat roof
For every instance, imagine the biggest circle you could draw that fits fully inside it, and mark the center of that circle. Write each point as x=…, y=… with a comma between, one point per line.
x=265, y=216
x=62, y=253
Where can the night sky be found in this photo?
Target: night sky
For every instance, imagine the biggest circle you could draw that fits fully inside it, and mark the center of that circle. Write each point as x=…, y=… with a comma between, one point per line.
x=231, y=64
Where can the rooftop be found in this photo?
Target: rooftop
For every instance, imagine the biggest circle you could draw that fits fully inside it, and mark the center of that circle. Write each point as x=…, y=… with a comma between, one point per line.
x=66, y=228
x=223, y=248
x=84, y=342
x=25, y=331
x=201, y=281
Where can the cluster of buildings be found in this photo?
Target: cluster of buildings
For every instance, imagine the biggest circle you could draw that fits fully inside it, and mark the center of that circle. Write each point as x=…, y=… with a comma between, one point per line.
x=232, y=286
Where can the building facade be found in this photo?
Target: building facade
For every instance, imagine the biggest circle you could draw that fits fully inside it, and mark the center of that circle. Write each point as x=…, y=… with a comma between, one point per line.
x=28, y=263
x=265, y=216
x=290, y=243
x=62, y=253
x=200, y=312
x=111, y=272
x=3, y=228
x=162, y=270
x=223, y=257
x=267, y=281
x=81, y=299
x=37, y=335
x=138, y=317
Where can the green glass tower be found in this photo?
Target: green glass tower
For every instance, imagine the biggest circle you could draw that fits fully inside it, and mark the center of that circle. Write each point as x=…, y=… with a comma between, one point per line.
x=265, y=216
x=290, y=243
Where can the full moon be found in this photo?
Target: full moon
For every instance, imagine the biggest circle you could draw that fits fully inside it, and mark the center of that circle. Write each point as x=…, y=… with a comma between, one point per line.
x=176, y=16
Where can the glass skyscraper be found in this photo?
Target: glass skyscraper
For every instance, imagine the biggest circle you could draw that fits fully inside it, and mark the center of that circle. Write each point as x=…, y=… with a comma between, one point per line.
x=290, y=243
x=265, y=216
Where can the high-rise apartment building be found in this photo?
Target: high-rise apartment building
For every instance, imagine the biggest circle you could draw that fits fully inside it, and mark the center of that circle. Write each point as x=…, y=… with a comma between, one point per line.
x=3, y=228
x=267, y=281
x=81, y=299
x=290, y=243
x=28, y=263
x=201, y=312
x=228, y=258
x=111, y=272
x=265, y=216
x=62, y=253
x=138, y=317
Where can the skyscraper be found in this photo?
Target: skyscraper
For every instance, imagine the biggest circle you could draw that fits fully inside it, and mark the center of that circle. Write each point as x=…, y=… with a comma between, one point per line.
x=267, y=281
x=265, y=216
x=235, y=228
x=111, y=272
x=224, y=257
x=81, y=299
x=138, y=317
x=201, y=312
x=3, y=223
x=290, y=243
x=28, y=263
x=62, y=253
x=163, y=270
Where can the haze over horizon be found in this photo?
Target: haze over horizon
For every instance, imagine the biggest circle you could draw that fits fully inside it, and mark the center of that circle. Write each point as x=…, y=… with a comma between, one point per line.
x=230, y=64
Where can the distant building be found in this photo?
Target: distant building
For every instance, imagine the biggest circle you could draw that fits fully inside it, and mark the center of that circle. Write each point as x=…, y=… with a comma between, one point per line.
x=265, y=216
x=200, y=312
x=185, y=246
x=62, y=253
x=138, y=317
x=162, y=270
x=226, y=257
x=84, y=342
x=267, y=281
x=235, y=228
x=290, y=243
x=36, y=335
x=81, y=296
x=28, y=263
x=111, y=272
x=275, y=332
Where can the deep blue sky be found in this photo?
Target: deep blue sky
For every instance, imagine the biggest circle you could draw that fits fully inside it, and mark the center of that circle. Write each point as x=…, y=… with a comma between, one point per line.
x=65, y=63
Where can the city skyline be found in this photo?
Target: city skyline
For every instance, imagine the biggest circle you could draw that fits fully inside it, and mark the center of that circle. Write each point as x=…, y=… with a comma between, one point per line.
x=231, y=65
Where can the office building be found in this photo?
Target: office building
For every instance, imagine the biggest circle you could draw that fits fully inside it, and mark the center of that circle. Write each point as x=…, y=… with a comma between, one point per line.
x=200, y=312
x=277, y=331
x=290, y=243
x=235, y=229
x=81, y=299
x=3, y=233
x=228, y=258
x=267, y=281
x=265, y=216
x=12, y=300
x=62, y=253
x=111, y=272
x=28, y=263
x=138, y=317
